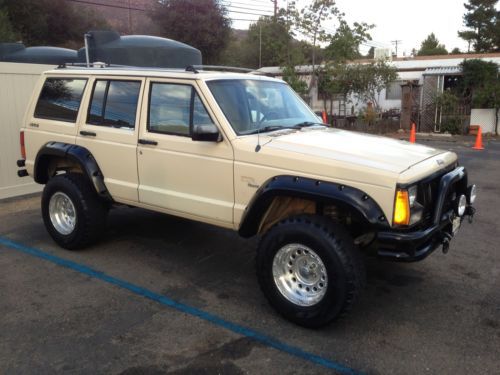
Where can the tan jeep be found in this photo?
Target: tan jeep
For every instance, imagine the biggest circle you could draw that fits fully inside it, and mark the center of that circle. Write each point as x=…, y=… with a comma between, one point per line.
x=239, y=151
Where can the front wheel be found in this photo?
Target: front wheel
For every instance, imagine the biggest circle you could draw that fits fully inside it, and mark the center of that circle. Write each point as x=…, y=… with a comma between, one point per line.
x=309, y=269
x=72, y=212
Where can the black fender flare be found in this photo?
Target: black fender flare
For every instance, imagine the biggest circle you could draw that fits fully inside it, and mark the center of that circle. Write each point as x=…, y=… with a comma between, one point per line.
x=316, y=190
x=77, y=154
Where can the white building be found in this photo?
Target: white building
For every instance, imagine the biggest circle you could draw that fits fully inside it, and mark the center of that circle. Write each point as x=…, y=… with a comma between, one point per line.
x=431, y=74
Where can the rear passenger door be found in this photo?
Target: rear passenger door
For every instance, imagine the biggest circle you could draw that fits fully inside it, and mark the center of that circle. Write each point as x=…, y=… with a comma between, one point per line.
x=185, y=177
x=110, y=130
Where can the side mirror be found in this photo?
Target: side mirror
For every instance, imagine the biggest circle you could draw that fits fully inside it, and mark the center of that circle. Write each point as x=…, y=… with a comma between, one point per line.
x=207, y=133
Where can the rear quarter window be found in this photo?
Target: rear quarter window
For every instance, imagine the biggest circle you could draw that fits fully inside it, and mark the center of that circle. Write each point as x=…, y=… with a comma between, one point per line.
x=60, y=99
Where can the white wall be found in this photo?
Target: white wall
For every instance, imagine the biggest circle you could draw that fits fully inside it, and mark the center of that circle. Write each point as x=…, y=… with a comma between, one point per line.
x=485, y=118
x=16, y=85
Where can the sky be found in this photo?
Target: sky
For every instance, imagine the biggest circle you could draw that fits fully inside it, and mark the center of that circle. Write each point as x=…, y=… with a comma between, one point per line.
x=410, y=21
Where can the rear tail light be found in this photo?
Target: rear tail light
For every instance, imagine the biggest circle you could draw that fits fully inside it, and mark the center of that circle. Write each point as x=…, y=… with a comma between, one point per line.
x=23, y=148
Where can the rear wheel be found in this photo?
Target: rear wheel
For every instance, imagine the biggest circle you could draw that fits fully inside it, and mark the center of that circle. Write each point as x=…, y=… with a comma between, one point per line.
x=309, y=269
x=72, y=212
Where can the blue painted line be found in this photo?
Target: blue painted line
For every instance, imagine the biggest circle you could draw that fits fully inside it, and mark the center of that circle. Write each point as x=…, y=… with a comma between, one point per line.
x=236, y=328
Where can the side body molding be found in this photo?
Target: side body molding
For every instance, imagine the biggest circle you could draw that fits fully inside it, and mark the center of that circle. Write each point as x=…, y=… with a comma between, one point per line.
x=76, y=154
x=316, y=190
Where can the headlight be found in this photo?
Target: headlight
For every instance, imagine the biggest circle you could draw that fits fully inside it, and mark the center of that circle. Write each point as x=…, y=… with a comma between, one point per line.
x=472, y=193
x=461, y=205
x=412, y=195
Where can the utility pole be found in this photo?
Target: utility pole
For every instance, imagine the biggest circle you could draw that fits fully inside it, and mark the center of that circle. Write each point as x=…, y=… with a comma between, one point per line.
x=260, y=45
x=129, y=18
x=396, y=42
x=275, y=2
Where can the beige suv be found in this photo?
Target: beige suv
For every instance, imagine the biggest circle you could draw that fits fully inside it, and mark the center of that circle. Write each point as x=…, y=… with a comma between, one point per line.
x=239, y=151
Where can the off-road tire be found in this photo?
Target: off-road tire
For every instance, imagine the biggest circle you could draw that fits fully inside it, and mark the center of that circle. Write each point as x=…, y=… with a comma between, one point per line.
x=91, y=211
x=343, y=262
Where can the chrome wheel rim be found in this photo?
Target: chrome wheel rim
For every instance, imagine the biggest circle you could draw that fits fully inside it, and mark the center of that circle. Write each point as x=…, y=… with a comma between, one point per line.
x=300, y=275
x=62, y=213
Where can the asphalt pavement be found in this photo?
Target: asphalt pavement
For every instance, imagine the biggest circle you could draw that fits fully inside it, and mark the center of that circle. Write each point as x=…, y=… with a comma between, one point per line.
x=163, y=295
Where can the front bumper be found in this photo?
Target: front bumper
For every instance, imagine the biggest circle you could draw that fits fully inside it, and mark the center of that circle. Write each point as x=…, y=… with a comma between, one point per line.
x=411, y=246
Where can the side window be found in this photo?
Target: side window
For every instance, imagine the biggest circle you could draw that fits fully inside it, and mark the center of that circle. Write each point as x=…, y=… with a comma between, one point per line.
x=394, y=91
x=60, y=99
x=174, y=108
x=114, y=103
x=200, y=114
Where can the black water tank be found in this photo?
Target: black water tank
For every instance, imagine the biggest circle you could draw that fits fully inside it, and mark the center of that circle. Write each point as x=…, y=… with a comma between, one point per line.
x=139, y=50
x=17, y=52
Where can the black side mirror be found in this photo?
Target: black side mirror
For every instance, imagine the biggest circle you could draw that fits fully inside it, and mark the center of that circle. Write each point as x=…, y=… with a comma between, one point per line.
x=207, y=133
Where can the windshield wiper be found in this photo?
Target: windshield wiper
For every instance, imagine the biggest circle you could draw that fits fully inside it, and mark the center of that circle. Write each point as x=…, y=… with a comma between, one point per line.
x=268, y=128
x=304, y=124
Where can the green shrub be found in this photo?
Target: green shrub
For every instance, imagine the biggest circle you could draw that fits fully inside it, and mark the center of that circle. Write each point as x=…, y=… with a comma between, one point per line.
x=452, y=125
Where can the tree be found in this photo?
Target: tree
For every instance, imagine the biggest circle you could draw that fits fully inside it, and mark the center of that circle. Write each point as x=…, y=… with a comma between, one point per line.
x=480, y=85
x=7, y=33
x=364, y=81
x=448, y=104
x=304, y=50
x=368, y=80
x=292, y=78
x=371, y=53
x=482, y=20
x=455, y=51
x=234, y=53
x=268, y=39
x=202, y=24
x=310, y=22
x=51, y=22
x=430, y=46
x=344, y=44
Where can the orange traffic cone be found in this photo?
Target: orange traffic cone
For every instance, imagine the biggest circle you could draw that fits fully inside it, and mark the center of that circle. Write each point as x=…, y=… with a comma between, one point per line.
x=479, y=140
x=413, y=133
x=325, y=118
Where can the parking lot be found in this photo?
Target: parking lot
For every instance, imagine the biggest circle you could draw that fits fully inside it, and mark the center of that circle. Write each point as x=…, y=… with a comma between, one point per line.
x=165, y=295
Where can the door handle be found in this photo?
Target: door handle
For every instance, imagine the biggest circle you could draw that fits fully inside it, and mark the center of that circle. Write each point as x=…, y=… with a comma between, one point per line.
x=88, y=134
x=147, y=142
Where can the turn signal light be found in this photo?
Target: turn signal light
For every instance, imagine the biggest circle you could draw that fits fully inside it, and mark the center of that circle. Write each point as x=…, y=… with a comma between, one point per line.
x=402, y=208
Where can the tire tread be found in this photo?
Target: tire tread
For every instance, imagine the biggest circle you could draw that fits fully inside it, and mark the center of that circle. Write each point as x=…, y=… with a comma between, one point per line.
x=343, y=246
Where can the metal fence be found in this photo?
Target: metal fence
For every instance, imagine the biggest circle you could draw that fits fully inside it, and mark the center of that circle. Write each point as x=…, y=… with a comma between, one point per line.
x=380, y=126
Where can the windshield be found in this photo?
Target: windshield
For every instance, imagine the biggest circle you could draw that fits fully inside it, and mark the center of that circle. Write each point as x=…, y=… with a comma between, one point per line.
x=253, y=106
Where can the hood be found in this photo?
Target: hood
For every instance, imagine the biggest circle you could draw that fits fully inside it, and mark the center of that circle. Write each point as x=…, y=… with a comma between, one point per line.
x=366, y=150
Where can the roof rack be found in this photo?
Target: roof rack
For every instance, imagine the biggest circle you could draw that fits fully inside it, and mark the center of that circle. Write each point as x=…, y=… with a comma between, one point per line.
x=191, y=68
x=197, y=68
x=96, y=64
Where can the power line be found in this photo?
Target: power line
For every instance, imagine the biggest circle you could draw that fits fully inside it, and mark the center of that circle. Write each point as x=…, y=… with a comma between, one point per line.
x=255, y=10
x=253, y=14
x=88, y=2
x=107, y=5
x=242, y=19
x=246, y=6
x=260, y=1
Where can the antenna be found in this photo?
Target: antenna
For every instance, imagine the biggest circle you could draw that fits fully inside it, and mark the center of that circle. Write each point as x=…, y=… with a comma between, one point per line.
x=257, y=148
